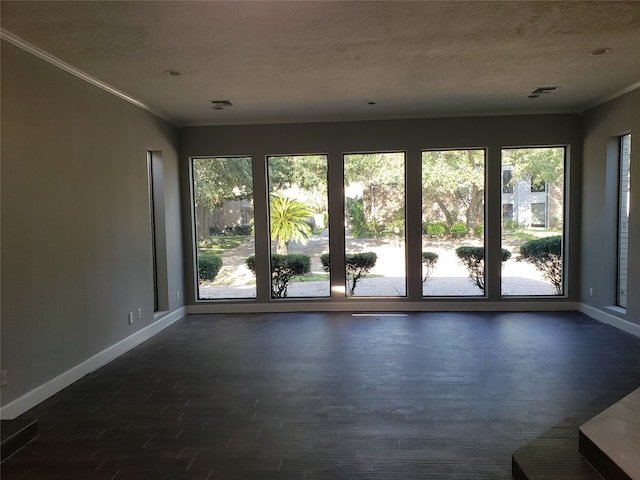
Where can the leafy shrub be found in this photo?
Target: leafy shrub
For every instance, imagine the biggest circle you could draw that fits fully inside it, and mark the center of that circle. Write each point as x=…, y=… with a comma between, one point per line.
x=325, y=260
x=546, y=255
x=429, y=260
x=473, y=259
x=374, y=228
x=510, y=225
x=436, y=230
x=242, y=229
x=357, y=265
x=478, y=231
x=355, y=215
x=397, y=222
x=209, y=264
x=283, y=269
x=458, y=230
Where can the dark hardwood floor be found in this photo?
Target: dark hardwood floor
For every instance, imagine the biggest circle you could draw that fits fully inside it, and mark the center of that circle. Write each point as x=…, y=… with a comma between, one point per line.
x=329, y=396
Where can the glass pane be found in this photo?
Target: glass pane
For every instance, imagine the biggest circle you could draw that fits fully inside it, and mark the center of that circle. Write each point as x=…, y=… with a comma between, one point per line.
x=623, y=218
x=374, y=215
x=453, y=222
x=299, y=225
x=532, y=220
x=223, y=206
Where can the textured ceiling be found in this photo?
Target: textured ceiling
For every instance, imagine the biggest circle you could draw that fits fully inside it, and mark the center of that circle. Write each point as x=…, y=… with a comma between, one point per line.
x=310, y=61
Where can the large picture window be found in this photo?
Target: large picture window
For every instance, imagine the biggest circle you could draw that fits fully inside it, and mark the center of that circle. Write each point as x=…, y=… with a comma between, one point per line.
x=298, y=219
x=453, y=223
x=451, y=191
x=533, y=221
x=374, y=195
x=223, y=211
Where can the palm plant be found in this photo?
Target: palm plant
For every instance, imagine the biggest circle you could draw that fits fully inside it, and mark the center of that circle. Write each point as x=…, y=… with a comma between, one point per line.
x=288, y=218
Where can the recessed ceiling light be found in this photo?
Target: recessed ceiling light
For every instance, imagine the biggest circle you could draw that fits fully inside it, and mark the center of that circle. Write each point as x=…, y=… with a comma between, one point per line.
x=173, y=73
x=599, y=51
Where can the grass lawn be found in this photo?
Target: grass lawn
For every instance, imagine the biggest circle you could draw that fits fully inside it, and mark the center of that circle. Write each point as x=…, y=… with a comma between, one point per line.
x=521, y=235
x=216, y=243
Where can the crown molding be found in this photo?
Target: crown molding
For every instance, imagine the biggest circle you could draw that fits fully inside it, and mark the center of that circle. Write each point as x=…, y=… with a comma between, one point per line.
x=47, y=57
x=613, y=96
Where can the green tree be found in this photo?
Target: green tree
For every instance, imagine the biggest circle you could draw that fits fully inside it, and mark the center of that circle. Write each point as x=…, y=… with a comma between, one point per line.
x=219, y=180
x=309, y=172
x=288, y=218
x=454, y=181
x=540, y=164
x=381, y=177
x=380, y=168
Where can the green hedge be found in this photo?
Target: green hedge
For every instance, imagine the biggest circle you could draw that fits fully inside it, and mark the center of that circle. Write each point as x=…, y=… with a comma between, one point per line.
x=546, y=255
x=283, y=269
x=473, y=259
x=429, y=260
x=541, y=247
x=437, y=229
x=459, y=230
x=209, y=264
x=357, y=265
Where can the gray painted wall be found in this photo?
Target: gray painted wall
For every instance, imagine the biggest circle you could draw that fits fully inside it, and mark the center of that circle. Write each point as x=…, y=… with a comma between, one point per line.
x=411, y=136
x=602, y=127
x=76, y=248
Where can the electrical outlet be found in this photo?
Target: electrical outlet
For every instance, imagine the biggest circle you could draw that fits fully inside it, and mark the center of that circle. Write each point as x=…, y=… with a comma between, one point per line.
x=3, y=378
x=178, y=294
x=591, y=292
x=130, y=318
x=139, y=313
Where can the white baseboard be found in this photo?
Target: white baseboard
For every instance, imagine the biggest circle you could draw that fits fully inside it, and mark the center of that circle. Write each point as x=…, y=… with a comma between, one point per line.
x=610, y=319
x=39, y=394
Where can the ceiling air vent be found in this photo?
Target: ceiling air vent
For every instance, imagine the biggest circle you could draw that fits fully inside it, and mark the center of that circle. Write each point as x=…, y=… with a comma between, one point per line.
x=541, y=91
x=220, y=104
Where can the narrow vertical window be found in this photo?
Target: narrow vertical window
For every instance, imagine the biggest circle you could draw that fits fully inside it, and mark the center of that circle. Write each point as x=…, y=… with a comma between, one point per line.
x=223, y=210
x=533, y=220
x=623, y=218
x=152, y=212
x=298, y=219
x=374, y=215
x=158, y=231
x=453, y=223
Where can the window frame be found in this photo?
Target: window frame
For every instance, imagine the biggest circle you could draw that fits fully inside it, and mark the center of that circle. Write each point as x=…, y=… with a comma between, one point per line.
x=194, y=232
x=566, y=182
x=622, y=271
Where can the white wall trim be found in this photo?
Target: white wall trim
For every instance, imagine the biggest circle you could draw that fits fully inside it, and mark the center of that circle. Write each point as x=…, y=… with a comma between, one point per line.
x=610, y=319
x=613, y=96
x=53, y=60
x=41, y=393
x=371, y=305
